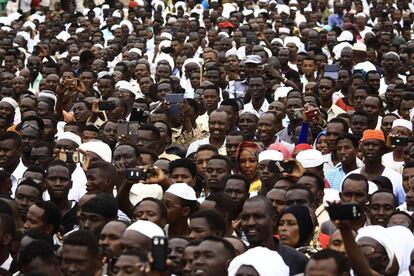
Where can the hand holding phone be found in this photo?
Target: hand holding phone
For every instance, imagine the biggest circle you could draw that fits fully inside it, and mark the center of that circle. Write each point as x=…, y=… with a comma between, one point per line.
x=106, y=105
x=159, y=251
x=344, y=211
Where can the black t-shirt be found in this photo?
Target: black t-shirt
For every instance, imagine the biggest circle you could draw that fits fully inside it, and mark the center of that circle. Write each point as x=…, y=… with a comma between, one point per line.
x=70, y=220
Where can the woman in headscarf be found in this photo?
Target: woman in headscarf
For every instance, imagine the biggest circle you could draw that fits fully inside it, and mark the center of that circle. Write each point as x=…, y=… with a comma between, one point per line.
x=296, y=228
x=320, y=143
x=247, y=157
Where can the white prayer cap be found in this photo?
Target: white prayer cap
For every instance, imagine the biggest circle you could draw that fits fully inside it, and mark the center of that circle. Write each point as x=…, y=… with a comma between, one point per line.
x=6, y=28
x=365, y=66
x=281, y=92
x=272, y=155
x=172, y=20
x=105, y=7
x=146, y=228
x=284, y=30
x=379, y=234
x=79, y=30
x=394, y=54
x=48, y=94
x=166, y=35
x=10, y=101
x=256, y=59
x=310, y=158
x=223, y=34
x=247, y=12
x=198, y=9
x=283, y=9
x=128, y=24
x=136, y=50
x=180, y=4
x=265, y=261
x=63, y=35
x=402, y=123
x=98, y=147
x=361, y=14
x=292, y=39
x=345, y=36
x=15, y=16
x=263, y=1
x=114, y=27
x=116, y=14
x=38, y=17
x=103, y=74
x=25, y=35
x=29, y=24
x=70, y=136
x=75, y=58
x=164, y=43
x=125, y=85
x=280, y=41
x=231, y=52
x=359, y=46
x=308, y=8
x=98, y=45
x=257, y=12
x=337, y=49
x=182, y=190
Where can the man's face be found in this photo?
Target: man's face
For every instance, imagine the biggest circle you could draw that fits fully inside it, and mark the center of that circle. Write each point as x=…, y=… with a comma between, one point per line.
x=235, y=188
x=128, y=265
x=30, y=135
x=216, y=172
x=34, y=220
x=7, y=111
x=346, y=57
x=256, y=223
x=210, y=99
x=267, y=128
x=308, y=67
x=105, y=87
x=218, y=124
x=257, y=88
x=76, y=260
x=326, y=267
x=210, y=259
x=175, y=208
x=346, y=151
x=232, y=142
x=354, y=191
x=110, y=237
x=374, y=81
x=125, y=157
x=359, y=124
x=97, y=182
x=91, y=222
x=380, y=208
x=333, y=131
x=40, y=157
x=278, y=108
x=291, y=105
x=298, y=197
x=58, y=182
x=277, y=198
x=372, y=106
x=149, y=210
x=182, y=175
x=147, y=140
x=372, y=149
x=199, y=229
x=248, y=124
x=326, y=89
x=407, y=174
x=25, y=197
x=405, y=107
x=9, y=153
x=265, y=175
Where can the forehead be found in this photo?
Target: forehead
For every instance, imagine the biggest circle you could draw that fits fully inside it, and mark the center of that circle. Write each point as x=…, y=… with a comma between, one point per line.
x=354, y=185
x=382, y=197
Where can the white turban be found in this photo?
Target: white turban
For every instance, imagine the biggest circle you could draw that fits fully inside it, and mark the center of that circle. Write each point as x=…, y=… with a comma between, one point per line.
x=98, y=147
x=273, y=155
x=10, y=101
x=70, y=136
x=146, y=228
x=265, y=261
x=402, y=123
x=182, y=190
x=403, y=241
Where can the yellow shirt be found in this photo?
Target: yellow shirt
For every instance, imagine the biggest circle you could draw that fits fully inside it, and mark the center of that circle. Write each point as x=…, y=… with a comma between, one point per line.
x=255, y=186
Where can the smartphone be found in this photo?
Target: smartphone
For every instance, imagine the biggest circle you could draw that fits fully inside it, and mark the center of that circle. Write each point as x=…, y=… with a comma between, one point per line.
x=281, y=167
x=69, y=156
x=106, y=105
x=36, y=50
x=313, y=113
x=174, y=98
x=135, y=174
x=139, y=115
x=133, y=128
x=159, y=251
x=345, y=211
x=331, y=70
x=123, y=128
x=399, y=141
x=174, y=109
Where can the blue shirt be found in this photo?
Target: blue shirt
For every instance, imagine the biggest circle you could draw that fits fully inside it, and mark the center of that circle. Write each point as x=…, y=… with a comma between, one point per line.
x=335, y=177
x=335, y=20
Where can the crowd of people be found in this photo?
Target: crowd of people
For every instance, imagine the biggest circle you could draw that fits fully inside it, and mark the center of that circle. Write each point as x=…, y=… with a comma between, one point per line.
x=207, y=138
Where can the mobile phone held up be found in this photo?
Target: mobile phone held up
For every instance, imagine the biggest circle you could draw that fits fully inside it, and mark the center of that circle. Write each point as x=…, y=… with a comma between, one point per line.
x=345, y=211
x=106, y=105
x=159, y=251
x=69, y=156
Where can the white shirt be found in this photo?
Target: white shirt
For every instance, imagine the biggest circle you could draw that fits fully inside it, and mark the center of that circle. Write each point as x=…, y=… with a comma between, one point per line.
x=7, y=263
x=193, y=147
x=389, y=162
x=264, y=108
x=16, y=175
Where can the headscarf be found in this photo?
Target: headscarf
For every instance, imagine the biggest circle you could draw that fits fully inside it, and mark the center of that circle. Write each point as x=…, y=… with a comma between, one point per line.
x=305, y=222
x=322, y=133
x=252, y=147
x=265, y=261
x=282, y=148
x=402, y=240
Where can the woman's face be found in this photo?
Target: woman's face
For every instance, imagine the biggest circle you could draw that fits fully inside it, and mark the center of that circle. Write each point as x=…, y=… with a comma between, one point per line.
x=288, y=230
x=248, y=163
x=321, y=145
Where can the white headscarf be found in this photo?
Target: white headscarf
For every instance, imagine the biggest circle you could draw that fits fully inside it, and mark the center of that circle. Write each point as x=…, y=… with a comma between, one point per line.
x=403, y=241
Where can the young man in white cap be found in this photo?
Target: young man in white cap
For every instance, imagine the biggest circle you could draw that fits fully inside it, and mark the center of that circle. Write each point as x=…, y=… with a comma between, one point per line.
x=180, y=200
x=139, y=235
x=267, y=177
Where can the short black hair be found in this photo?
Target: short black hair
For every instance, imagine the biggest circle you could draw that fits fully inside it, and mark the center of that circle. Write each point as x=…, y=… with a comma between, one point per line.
x=159, y=203
x=241, y=178
x=37, y=234
x=207, y=147
x=36, y=249
x=36, y=169
x=44, y=144
x=140, y=254
x=57, y=163
x=5, y=208
x=136, y=150
x=224, y=203
x=342, y=264
x=227, y=245
x=268, y=205
x=350, y=137
x=224, y=158
x=214, y=219
x=317, y=177
x=340, y=121
x=356, y=177
x=384, y=191
x=184, y=163
x=152, y=128
x=31, y=183
x=230, y=102
x=154, y=155
x=51, y=215
x=8, y=224
x=12, y=136
x=83, y=238
x=302, y=187
x=107, y=169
